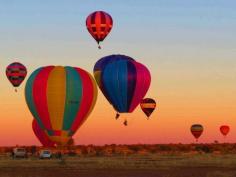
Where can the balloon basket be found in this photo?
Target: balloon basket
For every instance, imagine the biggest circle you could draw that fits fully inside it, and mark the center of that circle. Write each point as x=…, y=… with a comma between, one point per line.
x=125, y=123
x=117, y=116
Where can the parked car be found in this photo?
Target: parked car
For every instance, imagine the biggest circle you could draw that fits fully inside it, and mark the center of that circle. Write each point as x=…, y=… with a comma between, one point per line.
x=19, y=152
x=45, y=154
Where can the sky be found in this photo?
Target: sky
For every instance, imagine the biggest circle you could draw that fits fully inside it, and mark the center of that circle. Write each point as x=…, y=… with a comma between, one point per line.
x=189, y=47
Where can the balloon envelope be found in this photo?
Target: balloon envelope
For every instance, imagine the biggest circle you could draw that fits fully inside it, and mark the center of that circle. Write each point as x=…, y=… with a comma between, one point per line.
x=41, y=135
x=99, y=25
x=196, y=130
x=224, y=129
x=60, y=99
x=100, y=66
x=123, y=81
x=16, y=73
x=148, y=105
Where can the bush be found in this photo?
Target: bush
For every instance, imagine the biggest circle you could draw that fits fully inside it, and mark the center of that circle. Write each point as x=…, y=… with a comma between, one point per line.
x=203, y=148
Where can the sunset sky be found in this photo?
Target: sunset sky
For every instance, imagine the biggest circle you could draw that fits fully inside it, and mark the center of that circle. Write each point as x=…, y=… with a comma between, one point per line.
x=189, y=46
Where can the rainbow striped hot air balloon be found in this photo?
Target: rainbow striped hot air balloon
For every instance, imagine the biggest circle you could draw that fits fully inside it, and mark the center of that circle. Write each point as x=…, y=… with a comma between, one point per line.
x=60, y=99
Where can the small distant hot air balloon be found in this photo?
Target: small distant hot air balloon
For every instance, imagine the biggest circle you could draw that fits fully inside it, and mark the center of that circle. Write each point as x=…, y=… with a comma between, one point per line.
x=196, y=130
x=41, y=135
x=99, y=25
x=60, y=99
x=123, y=81
x=224, y=129
x=16, y=73
x=148, y=105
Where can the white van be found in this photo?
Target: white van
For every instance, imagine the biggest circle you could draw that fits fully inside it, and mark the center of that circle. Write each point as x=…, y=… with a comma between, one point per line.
x=19, y=152
x=45, y=154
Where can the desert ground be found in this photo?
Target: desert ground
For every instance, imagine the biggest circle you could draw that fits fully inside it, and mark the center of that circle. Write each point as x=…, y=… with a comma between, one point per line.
x=155, y=165
x=171, y=160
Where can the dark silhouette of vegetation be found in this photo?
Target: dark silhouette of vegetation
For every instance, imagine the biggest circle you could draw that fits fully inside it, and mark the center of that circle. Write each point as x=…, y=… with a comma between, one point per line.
x=116, y=150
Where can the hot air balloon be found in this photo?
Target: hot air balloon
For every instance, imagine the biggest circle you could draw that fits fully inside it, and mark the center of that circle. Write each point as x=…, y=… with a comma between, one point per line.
x=99, y=25
x=224, y=129
x=148, y=105
x=196, y=130
x=41, y=135
x=60, y=99
x=123, y=81
x=16, y=73
x=101, y=64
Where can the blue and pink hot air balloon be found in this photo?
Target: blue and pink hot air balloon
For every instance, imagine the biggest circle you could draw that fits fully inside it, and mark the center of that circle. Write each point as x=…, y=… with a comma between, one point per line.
x=123, y=81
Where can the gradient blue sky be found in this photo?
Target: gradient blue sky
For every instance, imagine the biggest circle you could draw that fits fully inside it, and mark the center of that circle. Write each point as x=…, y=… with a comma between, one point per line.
x=188, y=45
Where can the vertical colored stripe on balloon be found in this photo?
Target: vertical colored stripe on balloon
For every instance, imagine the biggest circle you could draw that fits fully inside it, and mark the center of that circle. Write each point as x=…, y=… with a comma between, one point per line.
x=95, y=93
x=56, y=93
x=109, y=23
x=93, y=18
x=98, y=24
x=29, y=97
x=73, y=97
x=86, y=100
x=111, y=85
x=97, y=76
x=143, y=81
x=131, y=80
x=102, y=25
x=94, y=98
x=39, y=94
x=123, y=82
x=115, y=80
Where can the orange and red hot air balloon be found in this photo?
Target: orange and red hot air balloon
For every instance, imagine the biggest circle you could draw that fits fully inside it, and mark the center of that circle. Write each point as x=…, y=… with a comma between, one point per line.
x=224, y=129
x=196, y=131
x=16, y=73
x=99, y=25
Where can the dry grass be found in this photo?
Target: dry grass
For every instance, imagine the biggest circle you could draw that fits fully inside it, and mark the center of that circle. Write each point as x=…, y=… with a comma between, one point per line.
x=173, y=160
x=185, y=165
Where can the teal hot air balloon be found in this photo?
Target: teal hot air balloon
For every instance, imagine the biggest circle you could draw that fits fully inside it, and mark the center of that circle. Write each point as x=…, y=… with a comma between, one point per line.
x=60, y=99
